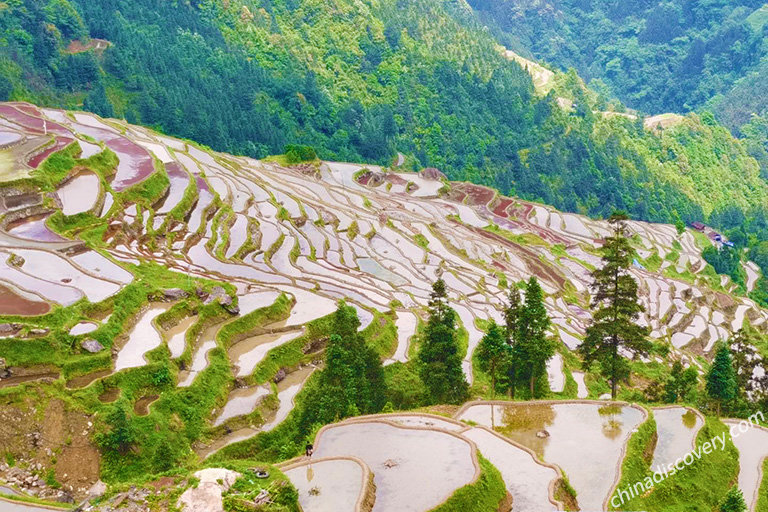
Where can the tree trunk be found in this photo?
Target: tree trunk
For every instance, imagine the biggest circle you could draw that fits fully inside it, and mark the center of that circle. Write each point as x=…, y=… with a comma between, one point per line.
x=613, y=389
x=533, y=381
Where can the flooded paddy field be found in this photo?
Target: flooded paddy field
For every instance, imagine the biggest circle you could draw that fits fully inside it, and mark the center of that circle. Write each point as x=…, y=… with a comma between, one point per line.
x=577, y=432
x=317, y=234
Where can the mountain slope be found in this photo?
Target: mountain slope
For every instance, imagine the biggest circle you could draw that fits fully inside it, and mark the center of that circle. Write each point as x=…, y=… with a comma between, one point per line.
x=360, y=81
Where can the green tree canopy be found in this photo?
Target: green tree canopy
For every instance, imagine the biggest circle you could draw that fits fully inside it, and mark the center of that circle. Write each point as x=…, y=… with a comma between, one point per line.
x=721, y=379
x=439, y=358
x=616, y=308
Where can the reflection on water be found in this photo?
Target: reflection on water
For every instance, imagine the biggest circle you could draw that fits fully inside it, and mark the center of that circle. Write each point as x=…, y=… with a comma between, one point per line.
x=676, y=428
x=331, y=485
x=586, y=440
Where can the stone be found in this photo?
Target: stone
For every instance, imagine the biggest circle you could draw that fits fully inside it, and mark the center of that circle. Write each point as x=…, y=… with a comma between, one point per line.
x=97, y=489
x=175, y=294
x=280, y=375
x=542, y=434
x=206, y=497
x=92, y=346
x=430, y=173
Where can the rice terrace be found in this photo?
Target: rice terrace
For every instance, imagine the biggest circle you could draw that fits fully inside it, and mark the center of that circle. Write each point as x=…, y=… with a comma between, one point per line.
x=169, y=310
x=391, y=256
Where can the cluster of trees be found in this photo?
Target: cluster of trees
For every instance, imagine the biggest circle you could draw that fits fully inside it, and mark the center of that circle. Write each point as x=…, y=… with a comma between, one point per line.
x=352, y=381
x=730, y=382
x=516, y=354
x=656, y=56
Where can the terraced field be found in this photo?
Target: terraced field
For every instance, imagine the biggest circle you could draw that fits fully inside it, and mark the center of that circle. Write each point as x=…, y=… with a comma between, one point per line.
x=172, y=228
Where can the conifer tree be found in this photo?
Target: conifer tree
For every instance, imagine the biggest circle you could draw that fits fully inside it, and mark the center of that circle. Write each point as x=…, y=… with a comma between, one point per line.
x=721, y=379
x=733, y=501
x=439, y=358
x=352, y=381
x=493, y=353
x=615, y=309
x=512, y=314
x=534, y=348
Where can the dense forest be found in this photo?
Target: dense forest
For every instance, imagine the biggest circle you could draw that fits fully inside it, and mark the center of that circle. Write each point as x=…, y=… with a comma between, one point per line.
x=673, y=56
x=360, y=81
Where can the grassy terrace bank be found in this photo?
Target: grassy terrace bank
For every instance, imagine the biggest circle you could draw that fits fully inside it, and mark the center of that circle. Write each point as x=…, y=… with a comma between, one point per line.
x=708, y=478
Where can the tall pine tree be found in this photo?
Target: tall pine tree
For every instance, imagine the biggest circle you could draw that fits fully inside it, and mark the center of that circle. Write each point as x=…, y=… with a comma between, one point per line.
x=439, y=358
x=615, y=305
x=534, y=348
x=352, y=381
x=512, y=321
x=721, y=379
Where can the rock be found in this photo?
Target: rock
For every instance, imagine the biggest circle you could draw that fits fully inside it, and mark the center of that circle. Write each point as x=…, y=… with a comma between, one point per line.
x=430, y=173
x=542, y=434
x=226, y=301
x=38, y=332
x=606, y=396
x=206, y=497
x=92, y=346
x=280, y=375
x=175, y=294
x=8, y=328
x=97, y=489
x=15, y=260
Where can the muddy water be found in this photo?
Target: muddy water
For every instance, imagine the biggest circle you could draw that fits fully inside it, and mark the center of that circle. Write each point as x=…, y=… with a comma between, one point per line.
x=241, y=402
x=179, y=180
x=426, y=466
x=331, y=485
x=371, y=266
x=677, y=428
x=55, y=268
x=586, y=440
x=19, y=303
x=406, y=324
x=79, y=194
x=526, y=480
x=141, y=407
x=110, y=395
x=425, y=421
x=246, y=354
x=15, y=381
x=287, y=389
x=142, y=338
x=176, y=336
x=753, y=448
x=583, y=392
x=256, y=300
x=205, y=344
x=18, y=506
x=84, y=380
x=100, y=266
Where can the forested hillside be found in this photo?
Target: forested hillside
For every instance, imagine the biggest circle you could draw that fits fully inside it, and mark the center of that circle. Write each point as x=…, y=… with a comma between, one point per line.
x=359, y=82
x=671, y=56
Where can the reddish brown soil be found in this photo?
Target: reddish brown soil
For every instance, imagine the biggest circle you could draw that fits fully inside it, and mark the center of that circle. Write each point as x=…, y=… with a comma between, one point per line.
x=477, y=195
x=501, y=207
x=13, y=304
x=58, y=439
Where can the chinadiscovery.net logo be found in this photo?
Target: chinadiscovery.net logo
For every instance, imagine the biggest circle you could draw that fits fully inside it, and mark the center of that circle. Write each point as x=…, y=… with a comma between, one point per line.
x=665, y=471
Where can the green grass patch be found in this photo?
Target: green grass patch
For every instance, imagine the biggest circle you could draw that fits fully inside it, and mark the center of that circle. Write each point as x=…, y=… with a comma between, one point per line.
x=485, y=495
x=699, y=487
